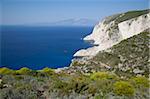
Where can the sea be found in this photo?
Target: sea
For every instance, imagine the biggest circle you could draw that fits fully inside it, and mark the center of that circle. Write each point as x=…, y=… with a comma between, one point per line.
x=37, y=47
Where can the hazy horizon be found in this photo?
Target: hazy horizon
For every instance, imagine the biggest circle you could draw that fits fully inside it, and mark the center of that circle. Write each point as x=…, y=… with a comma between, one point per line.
x=25, y=12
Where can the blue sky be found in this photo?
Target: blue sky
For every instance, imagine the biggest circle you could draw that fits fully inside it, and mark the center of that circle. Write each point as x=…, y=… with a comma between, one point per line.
x=14, y=12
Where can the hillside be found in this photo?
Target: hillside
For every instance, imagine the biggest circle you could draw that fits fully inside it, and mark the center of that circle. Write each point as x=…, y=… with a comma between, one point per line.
x=129, y=57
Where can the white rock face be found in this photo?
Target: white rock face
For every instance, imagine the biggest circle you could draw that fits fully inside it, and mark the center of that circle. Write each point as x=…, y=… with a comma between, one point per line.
x=134, y=26
x=107, y=35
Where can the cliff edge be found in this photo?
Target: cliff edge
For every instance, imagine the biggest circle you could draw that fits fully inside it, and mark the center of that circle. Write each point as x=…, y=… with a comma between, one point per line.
x=113, y=29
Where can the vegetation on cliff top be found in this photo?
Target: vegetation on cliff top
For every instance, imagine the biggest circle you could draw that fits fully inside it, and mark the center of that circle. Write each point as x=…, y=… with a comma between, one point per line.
x=126, y=16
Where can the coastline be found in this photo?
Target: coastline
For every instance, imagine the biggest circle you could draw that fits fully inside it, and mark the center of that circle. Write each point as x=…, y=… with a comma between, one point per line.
x=107, y=35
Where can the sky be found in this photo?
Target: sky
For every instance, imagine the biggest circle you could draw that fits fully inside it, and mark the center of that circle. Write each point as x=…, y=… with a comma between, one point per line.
x=17, y=12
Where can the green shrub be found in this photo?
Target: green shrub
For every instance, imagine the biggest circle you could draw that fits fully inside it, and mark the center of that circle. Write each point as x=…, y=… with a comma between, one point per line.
x=59, y=86
x=18, y=77
x=48, y=71
x=102, y=87
x=82, y=81
x=24, y=71
x=78, y=84
x=22, y=86
x=97, y=97
x=141, y=81
x=6, y=71
x=131, y=14
x=123, y=88
x=102, y=75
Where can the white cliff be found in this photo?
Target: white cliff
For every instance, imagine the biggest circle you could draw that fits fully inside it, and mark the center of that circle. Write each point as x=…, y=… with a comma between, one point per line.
x=108, y=33
x=134, y=26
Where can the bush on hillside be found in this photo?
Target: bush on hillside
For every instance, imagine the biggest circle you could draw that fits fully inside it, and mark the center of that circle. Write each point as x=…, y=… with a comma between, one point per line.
x=123, y=88
x=47, y=70
x=102, y=75
x=23, y=71
x=141, y=81
x=6, y=71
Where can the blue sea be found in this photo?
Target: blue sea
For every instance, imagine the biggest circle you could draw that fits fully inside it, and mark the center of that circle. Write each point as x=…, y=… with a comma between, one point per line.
x=39, y=47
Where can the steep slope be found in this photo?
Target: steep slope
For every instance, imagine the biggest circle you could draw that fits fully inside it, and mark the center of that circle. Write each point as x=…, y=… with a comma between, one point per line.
x=114, y=29
x=129, y=57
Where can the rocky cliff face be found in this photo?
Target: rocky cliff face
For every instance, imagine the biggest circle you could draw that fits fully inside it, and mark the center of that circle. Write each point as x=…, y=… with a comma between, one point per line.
x=114, y=29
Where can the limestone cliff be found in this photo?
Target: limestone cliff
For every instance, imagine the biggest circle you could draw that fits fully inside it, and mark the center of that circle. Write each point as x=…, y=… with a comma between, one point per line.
x=113, y=29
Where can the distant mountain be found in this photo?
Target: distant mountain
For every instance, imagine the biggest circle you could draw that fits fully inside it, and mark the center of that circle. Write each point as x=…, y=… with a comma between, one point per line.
x=70, y=22
x=76, y=22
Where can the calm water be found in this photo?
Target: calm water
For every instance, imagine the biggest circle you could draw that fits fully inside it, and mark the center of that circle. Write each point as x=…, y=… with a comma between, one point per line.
x=38, y=47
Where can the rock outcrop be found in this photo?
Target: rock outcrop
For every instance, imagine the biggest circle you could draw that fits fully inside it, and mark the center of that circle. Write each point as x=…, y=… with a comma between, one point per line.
x=114, y=29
